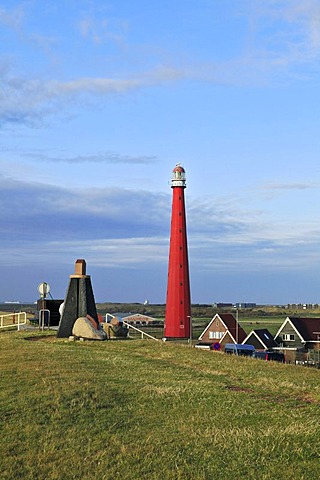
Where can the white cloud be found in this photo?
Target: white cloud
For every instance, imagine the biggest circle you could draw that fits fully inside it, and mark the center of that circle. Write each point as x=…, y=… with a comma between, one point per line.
x=102, y=30
x=12, y=18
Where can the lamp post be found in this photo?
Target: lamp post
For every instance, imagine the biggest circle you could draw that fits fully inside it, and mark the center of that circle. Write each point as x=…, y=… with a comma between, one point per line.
x=318, y=345
x=190, y=339
x=237, y=326
x=43, y=289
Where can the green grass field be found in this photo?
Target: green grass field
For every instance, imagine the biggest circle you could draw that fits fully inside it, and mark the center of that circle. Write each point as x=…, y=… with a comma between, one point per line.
x=141, y=409
x=271, y=323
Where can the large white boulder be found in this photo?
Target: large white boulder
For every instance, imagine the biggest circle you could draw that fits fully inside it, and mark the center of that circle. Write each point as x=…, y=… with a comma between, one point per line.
x=86, y=328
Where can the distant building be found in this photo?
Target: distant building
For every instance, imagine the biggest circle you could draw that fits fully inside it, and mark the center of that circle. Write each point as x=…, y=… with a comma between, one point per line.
x=234, y=305
x=245, y=305
x=132, y=318
x=222, y=305
x=302, y=306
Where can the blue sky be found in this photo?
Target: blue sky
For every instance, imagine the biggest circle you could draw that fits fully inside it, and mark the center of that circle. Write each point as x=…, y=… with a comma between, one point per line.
x=100, y=100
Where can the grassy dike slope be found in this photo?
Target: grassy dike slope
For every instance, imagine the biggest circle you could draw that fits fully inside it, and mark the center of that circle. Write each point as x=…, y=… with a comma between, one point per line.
x=142, y=409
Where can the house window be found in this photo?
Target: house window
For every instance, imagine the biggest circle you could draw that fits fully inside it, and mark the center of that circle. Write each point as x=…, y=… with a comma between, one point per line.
x=288, y=337
x=216, y=335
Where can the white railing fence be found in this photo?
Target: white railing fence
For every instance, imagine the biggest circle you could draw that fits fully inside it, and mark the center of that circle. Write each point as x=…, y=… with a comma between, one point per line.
x=13, y=320
x=141, y=332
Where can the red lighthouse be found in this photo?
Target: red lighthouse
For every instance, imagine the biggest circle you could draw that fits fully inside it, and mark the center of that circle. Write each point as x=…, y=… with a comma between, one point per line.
x=178, y=307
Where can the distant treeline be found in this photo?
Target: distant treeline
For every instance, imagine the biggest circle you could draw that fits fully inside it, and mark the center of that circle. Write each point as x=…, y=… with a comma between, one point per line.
x=152, y=310
x=198, y=310
x=205, y=310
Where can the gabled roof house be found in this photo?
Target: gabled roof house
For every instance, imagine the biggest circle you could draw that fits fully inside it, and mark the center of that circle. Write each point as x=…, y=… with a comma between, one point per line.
x=261, y=339
x=132, y=318
x=298, y=333
x=139, y=319
x=223, y=328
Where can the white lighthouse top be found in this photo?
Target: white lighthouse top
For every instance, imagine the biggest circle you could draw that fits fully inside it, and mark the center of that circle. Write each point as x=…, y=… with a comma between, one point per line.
x=178, y=177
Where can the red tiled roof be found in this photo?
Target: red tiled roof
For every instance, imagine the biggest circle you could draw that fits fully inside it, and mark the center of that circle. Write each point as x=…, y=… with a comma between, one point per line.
x=231, y=324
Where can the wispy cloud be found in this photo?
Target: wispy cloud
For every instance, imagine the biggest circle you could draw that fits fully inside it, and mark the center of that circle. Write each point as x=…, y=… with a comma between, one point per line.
x=109, y=227
x=278, y=247
x=99, y=157
x=23, y=100
x=293, y=190
x=112, y=253
x=290, y=186
x=12, y=18
x=98, y=213
x=283, y=34
x=304, y=20
x=114, y=228
x=103, y=30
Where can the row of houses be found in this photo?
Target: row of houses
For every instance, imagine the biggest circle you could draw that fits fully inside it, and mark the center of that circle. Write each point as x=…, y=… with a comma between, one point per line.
x=298, y=337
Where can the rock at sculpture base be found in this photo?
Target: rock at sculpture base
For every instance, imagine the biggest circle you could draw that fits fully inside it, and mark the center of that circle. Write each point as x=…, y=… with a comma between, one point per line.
x=84, y=328
x=115, y=329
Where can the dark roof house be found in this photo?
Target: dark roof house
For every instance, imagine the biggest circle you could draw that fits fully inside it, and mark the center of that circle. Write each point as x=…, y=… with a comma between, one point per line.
x=299, y=333
x=223, y=328
x=298, y=337
x=261, y=339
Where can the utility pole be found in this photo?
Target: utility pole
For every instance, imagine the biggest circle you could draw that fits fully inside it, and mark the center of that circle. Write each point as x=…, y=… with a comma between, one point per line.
x=318, y=346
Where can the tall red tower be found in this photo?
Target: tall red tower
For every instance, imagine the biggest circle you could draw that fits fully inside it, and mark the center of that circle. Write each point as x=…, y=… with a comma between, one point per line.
x=178, y=308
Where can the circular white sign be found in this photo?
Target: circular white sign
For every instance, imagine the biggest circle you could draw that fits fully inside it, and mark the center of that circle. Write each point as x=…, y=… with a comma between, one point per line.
x=44, y=288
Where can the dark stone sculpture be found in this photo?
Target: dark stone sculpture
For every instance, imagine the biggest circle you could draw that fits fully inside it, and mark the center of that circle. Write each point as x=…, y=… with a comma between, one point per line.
x=79, y=300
